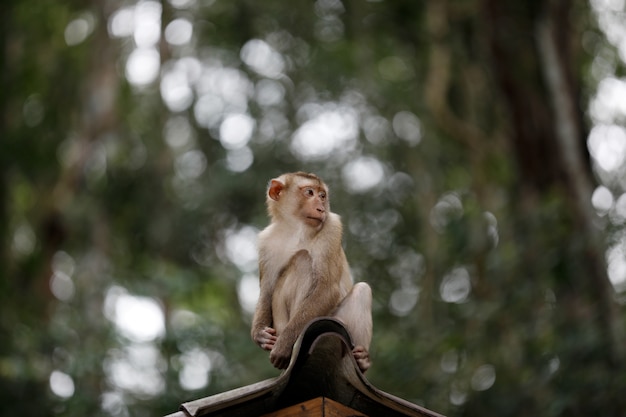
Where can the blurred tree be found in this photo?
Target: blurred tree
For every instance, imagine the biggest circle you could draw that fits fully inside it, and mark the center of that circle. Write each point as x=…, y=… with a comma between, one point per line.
x=137, y=139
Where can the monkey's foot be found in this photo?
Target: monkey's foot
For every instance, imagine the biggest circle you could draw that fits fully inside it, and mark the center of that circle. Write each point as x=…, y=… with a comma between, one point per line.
x=362, y=357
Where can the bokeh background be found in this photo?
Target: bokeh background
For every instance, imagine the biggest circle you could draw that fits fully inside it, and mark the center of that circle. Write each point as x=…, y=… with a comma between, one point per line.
x=475, y=149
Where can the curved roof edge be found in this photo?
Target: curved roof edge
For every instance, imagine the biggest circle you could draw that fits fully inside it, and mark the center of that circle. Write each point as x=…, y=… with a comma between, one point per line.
x=320, y=366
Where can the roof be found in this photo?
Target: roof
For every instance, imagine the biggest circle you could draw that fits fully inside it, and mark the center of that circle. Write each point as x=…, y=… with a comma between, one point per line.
x=319, y=367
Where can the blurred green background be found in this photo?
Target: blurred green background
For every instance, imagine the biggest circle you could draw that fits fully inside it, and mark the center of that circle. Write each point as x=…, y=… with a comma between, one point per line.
x=476, y=151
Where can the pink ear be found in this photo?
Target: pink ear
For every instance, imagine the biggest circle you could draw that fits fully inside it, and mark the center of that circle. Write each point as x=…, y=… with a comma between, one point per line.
x=275, y=188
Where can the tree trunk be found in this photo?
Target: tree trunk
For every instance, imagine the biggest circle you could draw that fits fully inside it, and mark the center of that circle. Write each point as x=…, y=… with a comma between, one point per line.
x=532, y=58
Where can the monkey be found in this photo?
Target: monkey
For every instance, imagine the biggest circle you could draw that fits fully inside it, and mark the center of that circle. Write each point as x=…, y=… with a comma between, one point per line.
x=304, y=273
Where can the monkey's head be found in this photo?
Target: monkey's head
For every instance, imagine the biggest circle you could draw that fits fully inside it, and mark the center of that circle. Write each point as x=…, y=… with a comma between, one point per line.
x=298, y=197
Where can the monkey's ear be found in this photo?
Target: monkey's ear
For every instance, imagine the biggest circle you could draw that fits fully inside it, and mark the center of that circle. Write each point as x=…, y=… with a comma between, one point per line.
x=276, y=187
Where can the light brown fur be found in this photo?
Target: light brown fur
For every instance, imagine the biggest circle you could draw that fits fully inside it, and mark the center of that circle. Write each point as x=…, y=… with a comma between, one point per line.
x=303, y=270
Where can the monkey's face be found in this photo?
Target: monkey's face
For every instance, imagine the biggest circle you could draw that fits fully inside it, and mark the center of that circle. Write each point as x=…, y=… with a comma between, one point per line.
x=313, y=207
x=298, y=198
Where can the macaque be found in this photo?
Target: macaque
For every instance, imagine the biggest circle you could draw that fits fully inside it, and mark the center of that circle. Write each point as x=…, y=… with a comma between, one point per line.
x=304, y=273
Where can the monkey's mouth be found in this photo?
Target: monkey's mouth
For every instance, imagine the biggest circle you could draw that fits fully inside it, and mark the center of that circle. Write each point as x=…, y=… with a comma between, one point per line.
x=316, y=219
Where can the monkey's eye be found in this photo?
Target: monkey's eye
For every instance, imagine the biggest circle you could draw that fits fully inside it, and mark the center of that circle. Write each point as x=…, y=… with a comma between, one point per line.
x=309, y=192
x=323, y=195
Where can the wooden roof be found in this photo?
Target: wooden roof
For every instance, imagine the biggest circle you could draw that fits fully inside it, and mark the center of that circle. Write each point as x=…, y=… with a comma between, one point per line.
x=319, y=367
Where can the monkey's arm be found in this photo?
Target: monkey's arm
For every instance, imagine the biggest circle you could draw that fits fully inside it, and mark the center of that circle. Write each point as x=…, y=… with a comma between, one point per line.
x=322, y=296
x=262, y=333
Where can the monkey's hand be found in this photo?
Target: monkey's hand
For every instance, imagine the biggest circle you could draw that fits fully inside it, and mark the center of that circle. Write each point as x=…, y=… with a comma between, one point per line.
x=281, y=353
x=362, y=357
x=265, y=338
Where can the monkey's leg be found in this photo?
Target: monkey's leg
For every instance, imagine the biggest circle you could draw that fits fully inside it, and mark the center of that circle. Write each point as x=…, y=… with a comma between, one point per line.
x=355, y=311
